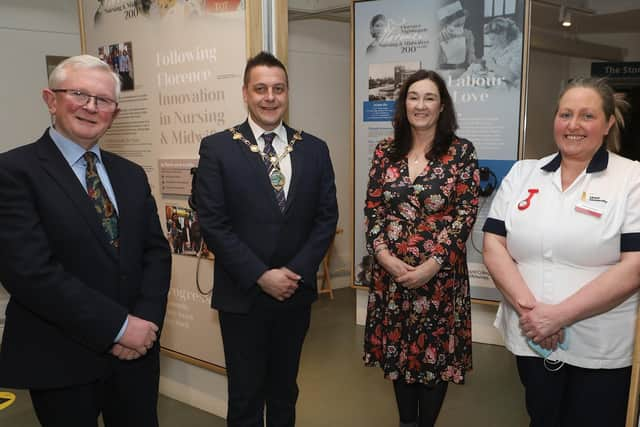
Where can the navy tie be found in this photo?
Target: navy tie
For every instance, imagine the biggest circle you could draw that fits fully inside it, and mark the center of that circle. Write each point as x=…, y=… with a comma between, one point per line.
x=271, y=152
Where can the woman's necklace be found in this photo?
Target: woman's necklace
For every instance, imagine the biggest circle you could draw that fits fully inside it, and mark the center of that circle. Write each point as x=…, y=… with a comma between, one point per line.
x=421, y=150
x=417, y=159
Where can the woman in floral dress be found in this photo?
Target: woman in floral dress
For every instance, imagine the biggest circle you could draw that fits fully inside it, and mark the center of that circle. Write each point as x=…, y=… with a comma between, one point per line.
x=422, y=201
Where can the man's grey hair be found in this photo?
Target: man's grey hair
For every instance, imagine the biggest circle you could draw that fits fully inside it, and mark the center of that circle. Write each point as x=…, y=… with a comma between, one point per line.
x=59, y=74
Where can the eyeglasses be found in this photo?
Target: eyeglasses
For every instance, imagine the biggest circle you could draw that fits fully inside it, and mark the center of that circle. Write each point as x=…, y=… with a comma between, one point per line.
x=102, y=104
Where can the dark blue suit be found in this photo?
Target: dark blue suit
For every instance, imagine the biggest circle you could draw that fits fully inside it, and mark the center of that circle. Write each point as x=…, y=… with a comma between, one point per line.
x=70, y=289
x=248, y=234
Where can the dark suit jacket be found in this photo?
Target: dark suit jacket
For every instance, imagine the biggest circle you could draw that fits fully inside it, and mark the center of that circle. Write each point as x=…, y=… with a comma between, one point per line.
x=244, y=227
x=70, y=290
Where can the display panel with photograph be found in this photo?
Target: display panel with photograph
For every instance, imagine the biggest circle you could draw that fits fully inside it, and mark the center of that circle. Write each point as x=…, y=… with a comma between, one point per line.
x=477, y=46
x=180, y=63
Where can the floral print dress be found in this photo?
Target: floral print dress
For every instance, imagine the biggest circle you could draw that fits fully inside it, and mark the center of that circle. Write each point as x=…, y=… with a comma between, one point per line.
x=421, y=335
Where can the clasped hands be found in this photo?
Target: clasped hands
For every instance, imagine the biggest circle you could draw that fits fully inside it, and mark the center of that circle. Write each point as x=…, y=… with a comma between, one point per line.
x=139, y=337
x=404, y=274
x=280, y=283
x=541, y=323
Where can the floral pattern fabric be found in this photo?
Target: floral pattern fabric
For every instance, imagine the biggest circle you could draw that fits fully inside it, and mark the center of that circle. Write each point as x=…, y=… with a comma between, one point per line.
x=421, y=335
x=102, y=204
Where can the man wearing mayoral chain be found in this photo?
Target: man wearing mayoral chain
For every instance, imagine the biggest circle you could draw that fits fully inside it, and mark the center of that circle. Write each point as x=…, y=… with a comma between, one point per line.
x=267, y=207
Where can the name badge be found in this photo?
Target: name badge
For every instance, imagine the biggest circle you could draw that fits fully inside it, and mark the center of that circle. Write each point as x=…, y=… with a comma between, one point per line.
x=589, y=209
x=591, y=204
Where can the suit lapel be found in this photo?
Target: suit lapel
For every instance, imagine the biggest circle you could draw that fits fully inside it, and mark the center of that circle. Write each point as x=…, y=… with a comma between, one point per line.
x=297, y=161
x=254, y=159
x=61, y=173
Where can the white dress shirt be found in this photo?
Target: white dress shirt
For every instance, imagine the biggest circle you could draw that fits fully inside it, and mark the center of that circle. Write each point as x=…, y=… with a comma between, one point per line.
x=279, y=143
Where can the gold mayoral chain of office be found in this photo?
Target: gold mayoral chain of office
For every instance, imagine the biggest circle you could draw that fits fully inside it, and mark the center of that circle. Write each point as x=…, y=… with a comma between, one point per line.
x=276, y=176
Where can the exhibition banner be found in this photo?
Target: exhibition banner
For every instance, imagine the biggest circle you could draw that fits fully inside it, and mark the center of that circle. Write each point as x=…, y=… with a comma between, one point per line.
x=180, y=63
x=477, y=47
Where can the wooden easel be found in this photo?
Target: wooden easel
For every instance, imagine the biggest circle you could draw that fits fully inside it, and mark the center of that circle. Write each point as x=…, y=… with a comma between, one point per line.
x=325, y=285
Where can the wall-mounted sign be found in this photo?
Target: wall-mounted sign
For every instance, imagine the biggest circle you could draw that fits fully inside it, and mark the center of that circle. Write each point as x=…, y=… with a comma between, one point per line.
x=175, y=175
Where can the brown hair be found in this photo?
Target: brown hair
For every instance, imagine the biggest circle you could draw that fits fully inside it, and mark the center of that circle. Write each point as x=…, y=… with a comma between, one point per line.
x=266, y=59
x=612, y=105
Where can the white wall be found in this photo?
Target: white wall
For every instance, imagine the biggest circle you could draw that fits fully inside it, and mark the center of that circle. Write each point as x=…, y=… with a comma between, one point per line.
x=320, y=104
x=197, y=387
x=29, y=30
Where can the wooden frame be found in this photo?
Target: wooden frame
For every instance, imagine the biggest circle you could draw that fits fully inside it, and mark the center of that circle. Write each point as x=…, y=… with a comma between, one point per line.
x=83, y=34
x=352, y=137
x=524, y=88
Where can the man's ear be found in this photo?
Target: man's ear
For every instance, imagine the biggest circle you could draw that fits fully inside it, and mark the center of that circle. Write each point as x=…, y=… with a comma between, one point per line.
x=49, y=98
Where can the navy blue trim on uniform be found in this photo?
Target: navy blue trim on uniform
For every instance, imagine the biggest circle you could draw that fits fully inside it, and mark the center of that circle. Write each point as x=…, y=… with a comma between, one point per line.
x=495, y=226
x=598, y=162
x=630, y=242
x=553, y=165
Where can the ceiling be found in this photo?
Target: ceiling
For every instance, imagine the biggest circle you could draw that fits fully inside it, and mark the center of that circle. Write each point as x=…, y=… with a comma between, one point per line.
x=588, y=16
x=340, y=13
x=603, y=18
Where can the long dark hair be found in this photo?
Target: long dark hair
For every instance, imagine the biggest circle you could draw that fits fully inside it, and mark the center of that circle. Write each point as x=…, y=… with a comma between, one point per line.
x=445, y=128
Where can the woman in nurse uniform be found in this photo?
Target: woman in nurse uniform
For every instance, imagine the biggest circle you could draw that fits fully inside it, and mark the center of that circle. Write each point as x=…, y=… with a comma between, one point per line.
x=562, y=243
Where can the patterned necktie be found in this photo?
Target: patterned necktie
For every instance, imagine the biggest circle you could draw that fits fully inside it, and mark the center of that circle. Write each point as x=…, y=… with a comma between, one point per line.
x=104, y=208
x=271, y=152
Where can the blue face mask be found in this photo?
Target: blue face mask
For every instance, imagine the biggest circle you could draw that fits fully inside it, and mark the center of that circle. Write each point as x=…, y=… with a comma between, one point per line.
x=550, y=365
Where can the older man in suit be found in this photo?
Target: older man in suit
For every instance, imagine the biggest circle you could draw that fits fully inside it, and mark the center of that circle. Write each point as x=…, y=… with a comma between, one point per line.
x=85, y=262
x=267, y=209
